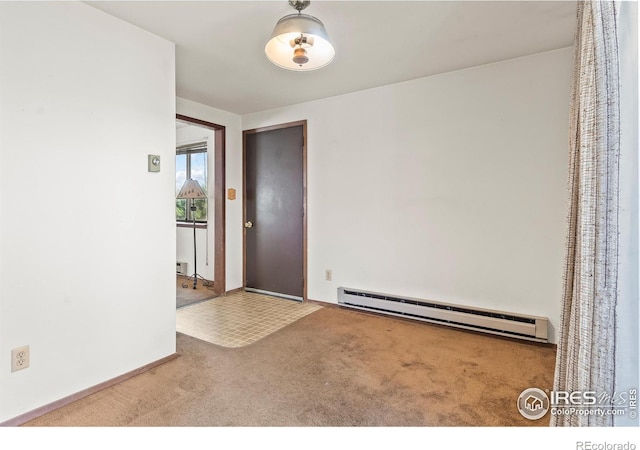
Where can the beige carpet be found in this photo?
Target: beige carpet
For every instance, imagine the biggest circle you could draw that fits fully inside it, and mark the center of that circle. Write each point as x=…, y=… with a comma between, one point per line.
x=239, y=319
x=334, y=367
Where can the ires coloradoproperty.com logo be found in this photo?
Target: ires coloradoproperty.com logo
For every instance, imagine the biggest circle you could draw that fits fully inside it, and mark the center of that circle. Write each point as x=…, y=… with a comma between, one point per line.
x=534, y=403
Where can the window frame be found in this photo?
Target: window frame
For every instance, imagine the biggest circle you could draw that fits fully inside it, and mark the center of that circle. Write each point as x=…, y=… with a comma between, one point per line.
x=188, y=150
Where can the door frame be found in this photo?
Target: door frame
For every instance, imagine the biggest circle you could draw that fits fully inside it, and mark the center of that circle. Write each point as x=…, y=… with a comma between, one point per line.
x=304, y=198
x=219, y=214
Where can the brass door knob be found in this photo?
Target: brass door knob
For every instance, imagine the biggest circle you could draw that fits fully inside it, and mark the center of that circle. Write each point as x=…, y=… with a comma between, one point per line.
x=248, y=224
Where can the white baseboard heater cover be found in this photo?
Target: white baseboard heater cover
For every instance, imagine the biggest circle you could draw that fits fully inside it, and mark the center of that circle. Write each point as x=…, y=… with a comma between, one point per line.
x=532, y=328
x=181, y=268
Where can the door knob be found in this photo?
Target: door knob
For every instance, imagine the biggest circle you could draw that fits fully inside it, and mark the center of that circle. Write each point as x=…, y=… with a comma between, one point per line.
x=248, y=224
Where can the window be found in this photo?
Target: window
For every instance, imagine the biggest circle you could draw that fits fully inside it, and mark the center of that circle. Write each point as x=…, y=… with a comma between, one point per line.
x=191, y=162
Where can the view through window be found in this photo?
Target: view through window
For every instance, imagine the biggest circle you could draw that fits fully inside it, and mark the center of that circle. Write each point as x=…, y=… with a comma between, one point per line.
x=191, y=162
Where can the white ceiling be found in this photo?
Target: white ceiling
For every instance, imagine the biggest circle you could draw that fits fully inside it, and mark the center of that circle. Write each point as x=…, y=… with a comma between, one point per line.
x=220, y=58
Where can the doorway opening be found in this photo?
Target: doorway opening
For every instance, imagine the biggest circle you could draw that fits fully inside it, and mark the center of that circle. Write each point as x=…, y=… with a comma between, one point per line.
x=200, y=237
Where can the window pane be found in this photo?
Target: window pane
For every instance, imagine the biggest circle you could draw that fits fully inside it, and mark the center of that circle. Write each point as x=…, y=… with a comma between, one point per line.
x=191, y=166
x=201, y=211
x=181, y=171
x=199, y=173
x=181, y=176
x=199, y=169
x=181, y=209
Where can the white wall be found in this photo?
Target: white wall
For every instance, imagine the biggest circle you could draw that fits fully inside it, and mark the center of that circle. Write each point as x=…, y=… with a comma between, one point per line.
x=184, y=250
x=87, y=235
x=450, y=188
x=627, y=318
x=204, y=237
x=233, y=174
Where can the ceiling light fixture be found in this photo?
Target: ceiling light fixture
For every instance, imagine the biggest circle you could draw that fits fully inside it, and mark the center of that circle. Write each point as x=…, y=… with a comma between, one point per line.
x=299, y=41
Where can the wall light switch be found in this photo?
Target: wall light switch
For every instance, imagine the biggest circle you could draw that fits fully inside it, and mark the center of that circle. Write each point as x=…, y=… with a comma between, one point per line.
x=154, y=163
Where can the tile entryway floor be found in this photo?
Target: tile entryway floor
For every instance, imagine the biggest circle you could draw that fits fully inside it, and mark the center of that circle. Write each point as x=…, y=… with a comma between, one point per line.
x=239, y=319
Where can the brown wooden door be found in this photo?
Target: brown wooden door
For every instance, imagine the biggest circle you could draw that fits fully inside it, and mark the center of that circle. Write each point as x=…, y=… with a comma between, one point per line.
x=274, y=211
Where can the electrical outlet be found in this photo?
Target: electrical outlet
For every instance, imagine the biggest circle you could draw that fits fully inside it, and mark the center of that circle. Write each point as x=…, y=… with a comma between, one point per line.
x=19, y=358
x=327, y=275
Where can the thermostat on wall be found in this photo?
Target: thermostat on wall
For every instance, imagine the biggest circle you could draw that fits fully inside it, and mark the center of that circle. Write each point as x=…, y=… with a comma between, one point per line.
x=154, y=163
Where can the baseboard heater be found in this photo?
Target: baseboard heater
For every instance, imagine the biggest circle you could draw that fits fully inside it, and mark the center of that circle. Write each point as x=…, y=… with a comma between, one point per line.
x=531, y=328
x=181, y=268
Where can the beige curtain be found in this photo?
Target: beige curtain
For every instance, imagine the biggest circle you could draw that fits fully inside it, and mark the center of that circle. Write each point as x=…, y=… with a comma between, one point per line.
x=586, y=348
